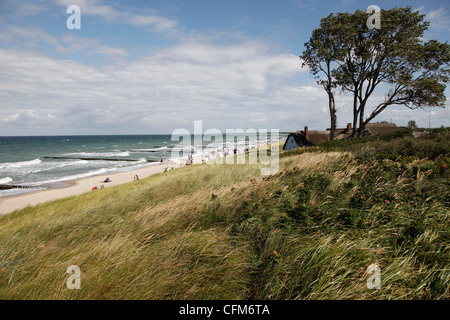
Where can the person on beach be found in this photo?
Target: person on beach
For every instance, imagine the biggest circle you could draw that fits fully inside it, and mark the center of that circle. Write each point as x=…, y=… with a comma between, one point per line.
x=189, y=160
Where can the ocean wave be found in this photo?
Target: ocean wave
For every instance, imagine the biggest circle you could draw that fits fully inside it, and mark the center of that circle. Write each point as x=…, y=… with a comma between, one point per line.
x=148, y=150
x=99, y=154
x=75, y=176
x=5, y=180
x=123, y=154
x=10, y=165
x=59, y=165
x=125, y=164
x=186, y=148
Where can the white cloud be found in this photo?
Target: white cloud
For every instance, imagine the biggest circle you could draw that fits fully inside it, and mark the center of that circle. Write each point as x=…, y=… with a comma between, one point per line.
x=223, y=85
x=32, y=35
x=72, y=43
x=439, y=19
x=109, y=13
x=235, y=85
x=149, y=20
x=29, y=118
x=258, y=120
x=92, y=8
x=24, y=8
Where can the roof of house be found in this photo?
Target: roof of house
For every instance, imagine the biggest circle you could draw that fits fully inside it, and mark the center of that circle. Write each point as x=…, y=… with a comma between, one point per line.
x=300, y=138
x=314, y=137
x=318, y=136
x=342, y=133
x=375, y=129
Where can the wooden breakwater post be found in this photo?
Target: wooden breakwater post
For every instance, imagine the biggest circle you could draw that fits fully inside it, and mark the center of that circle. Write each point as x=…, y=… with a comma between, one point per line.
x=89, y=159
x=14, y=186
x=99, y=159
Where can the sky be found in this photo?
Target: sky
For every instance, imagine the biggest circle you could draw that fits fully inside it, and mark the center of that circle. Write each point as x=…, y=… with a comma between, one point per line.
x=147, y=67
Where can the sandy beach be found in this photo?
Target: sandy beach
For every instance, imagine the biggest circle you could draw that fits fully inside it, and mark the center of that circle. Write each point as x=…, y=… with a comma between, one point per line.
x=74, y=187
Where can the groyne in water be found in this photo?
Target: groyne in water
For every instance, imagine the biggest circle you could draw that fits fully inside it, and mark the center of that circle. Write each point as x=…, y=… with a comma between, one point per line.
x=99, y=159
x=140, y=151
x=14, y=186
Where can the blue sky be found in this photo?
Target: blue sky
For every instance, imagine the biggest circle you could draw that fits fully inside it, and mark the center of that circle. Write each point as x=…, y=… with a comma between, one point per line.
x=138, y=67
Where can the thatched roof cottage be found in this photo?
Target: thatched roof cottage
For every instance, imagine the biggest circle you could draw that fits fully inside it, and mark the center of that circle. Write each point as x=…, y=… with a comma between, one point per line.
x=312, y=137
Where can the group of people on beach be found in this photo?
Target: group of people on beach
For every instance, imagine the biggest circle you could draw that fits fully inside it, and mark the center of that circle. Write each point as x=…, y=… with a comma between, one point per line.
x=135, y=178
x=102, y=186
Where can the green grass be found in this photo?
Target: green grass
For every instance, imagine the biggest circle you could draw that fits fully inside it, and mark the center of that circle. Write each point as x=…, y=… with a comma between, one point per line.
x=226, y=232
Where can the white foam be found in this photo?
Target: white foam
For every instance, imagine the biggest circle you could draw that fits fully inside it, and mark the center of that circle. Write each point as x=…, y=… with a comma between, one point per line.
x=5, y=180
x=99, y=154
x=19, y=164
x=58, y=165
x=76, y=176
x=150, y=149
x=122, y=154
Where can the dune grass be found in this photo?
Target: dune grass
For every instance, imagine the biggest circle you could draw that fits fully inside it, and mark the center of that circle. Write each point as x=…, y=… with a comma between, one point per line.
x=226, y=232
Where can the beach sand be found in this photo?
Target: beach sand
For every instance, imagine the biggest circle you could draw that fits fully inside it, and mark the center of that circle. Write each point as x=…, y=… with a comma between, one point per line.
x=74, y=187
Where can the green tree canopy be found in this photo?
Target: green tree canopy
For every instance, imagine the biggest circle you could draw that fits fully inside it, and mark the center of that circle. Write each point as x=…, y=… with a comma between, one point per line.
x=358, y=60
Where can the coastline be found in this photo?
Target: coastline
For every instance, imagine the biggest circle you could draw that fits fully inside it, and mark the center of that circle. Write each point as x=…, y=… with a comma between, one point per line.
x=79, y=186
x=12, y=203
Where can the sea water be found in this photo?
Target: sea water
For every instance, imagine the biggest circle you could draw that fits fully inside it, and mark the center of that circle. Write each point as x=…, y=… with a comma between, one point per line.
x=27, y=161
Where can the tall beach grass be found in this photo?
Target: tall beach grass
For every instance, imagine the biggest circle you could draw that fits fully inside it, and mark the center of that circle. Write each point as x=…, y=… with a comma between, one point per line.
x=216, y=231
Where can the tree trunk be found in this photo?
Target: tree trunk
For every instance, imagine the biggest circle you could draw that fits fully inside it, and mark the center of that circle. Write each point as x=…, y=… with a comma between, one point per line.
x=333, y=118
x=361, y=121
x=355, y=115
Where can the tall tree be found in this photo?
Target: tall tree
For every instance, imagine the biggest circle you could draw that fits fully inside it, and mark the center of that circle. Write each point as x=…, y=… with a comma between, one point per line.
x=393, y=58
x=319, y=55
x=412, y=125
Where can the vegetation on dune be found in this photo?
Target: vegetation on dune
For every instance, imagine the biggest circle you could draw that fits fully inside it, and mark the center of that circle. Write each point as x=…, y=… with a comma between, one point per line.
x=226, y=232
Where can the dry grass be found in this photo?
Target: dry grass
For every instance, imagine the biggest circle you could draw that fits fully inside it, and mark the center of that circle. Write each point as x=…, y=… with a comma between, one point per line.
x=226, y=232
